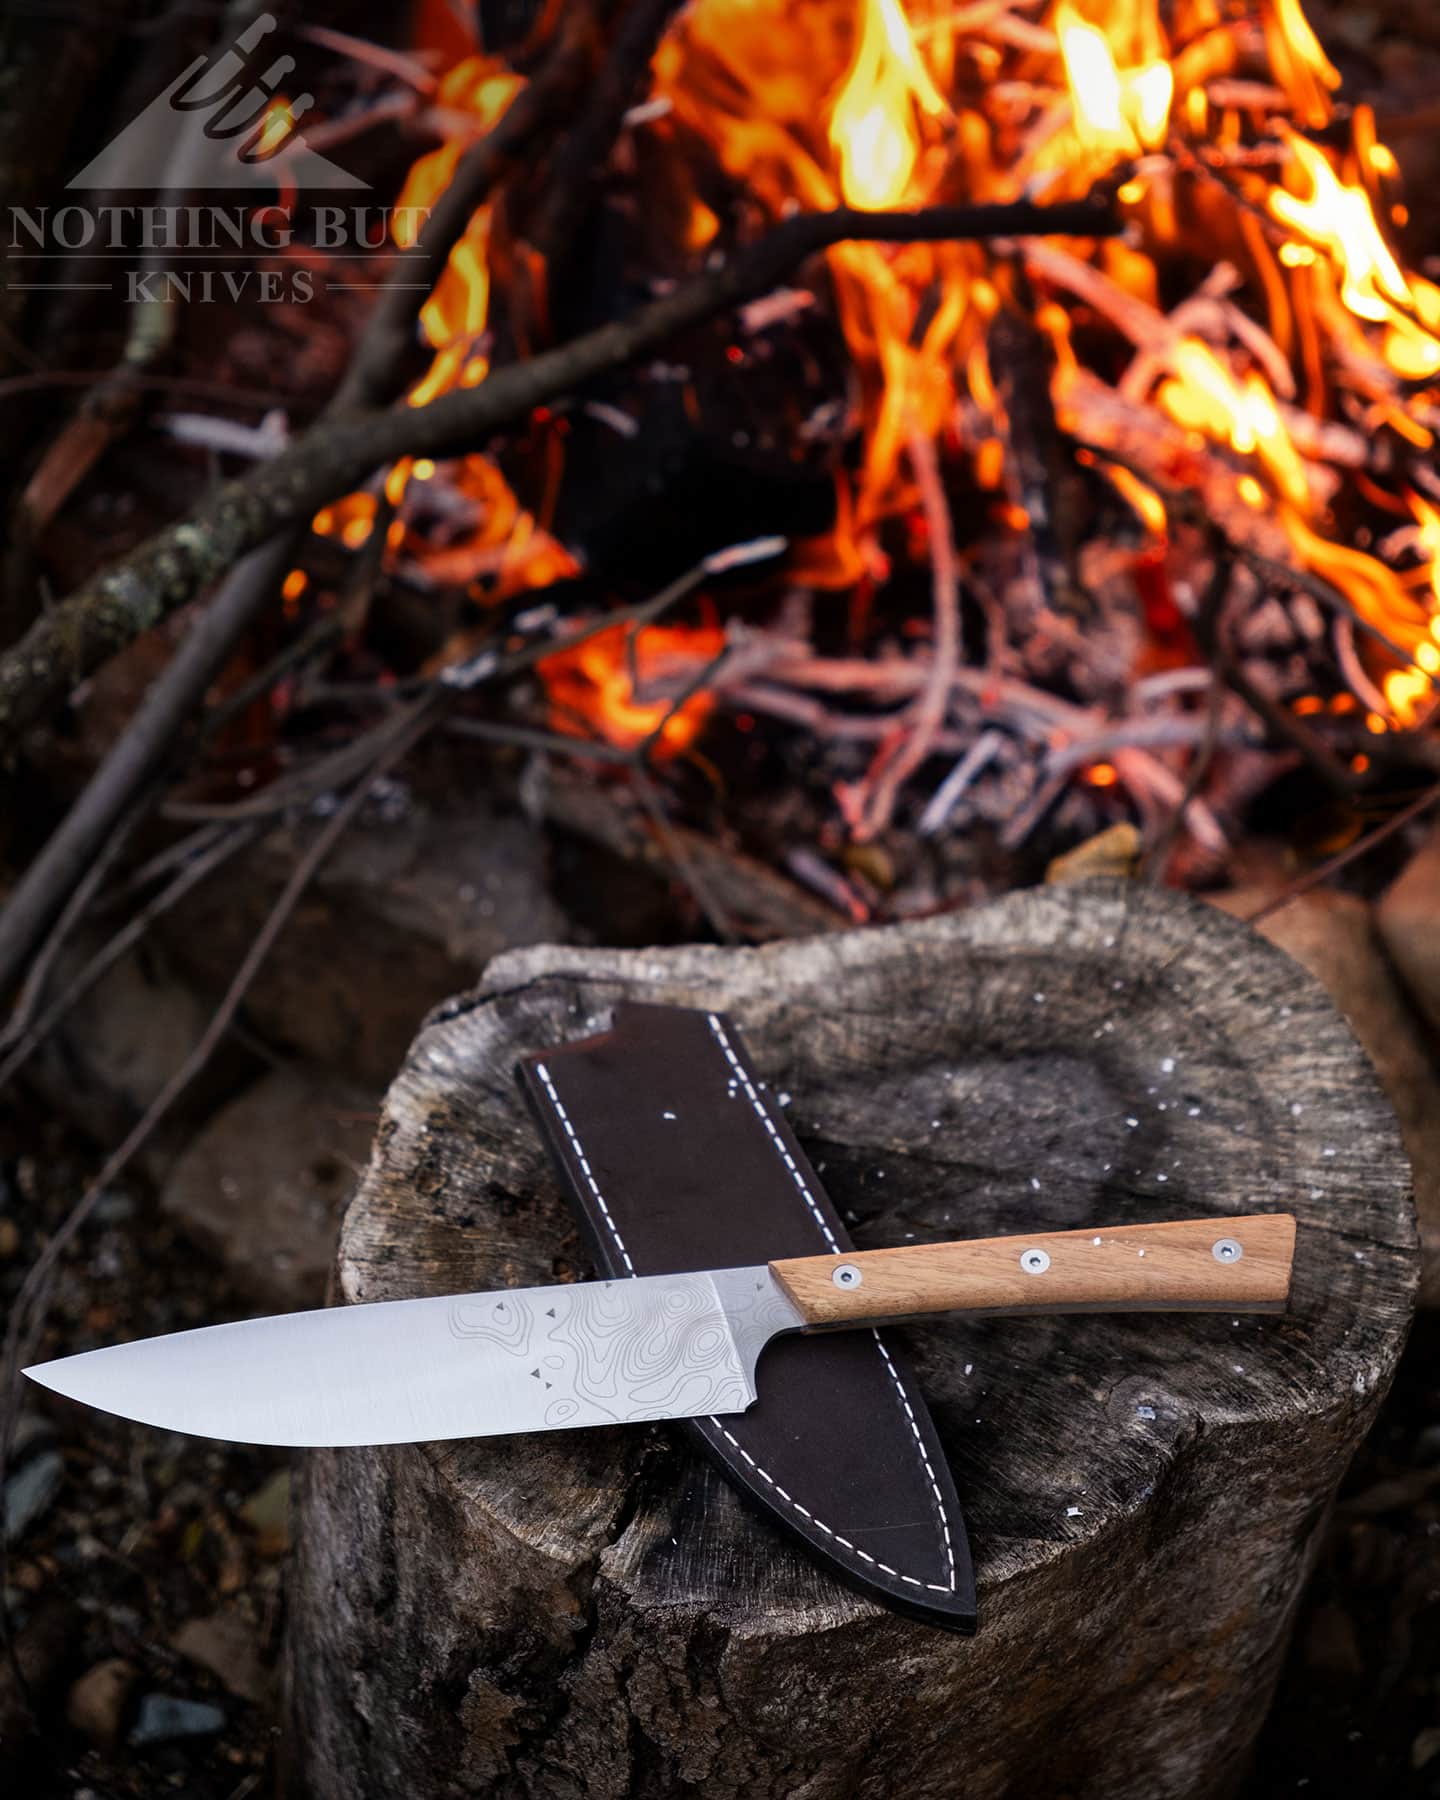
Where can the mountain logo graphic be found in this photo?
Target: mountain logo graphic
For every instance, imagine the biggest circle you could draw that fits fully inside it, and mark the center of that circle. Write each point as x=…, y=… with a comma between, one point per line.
x=223, y=123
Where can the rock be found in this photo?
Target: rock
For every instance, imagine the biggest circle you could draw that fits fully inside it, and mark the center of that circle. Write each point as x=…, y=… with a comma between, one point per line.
x=226, y=1644
x=267, y=1512
x=113, y=1053
x=164, y=1717
x=114, y=1208
x=1115, y=851
x=1334, y=935
x=29, y=1492
x=263, y=1184
x=1409, y=919
x=30, y=1428
x=96, y=1702
x=404, y=913
x=41, y=1646
x=1425, y=1747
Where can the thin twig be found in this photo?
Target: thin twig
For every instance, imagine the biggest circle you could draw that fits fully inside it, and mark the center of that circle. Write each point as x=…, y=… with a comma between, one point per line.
x=702, y=678
x=75, y=909
x=218, y=851
x=181, y=851
x=531, y=737
x=1209, y=633
x=951, y=790
x=1159, y=855
x=1343, y=858
x=324, y=634
x=927, y=714
x=1042, y=798
x=375, y=373
x=27, y=1313
x=580, y=161
x=685, y=866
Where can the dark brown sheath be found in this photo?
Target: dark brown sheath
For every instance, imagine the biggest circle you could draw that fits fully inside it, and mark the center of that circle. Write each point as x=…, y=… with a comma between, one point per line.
x=677, y=1159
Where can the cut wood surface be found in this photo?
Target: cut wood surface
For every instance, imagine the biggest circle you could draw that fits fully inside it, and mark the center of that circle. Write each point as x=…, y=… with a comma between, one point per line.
x=595, y=1613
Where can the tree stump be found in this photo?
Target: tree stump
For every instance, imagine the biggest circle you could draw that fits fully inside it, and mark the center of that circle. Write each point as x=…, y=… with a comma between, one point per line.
x=595, y=1613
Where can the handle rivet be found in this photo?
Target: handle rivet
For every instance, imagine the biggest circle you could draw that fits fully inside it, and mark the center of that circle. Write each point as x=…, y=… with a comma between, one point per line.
x=846, y=1275
x=1034, y=1262
x=1227, y=1250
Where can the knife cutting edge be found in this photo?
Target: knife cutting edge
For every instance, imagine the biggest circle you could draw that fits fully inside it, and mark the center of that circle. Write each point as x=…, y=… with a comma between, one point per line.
x=654, y=1347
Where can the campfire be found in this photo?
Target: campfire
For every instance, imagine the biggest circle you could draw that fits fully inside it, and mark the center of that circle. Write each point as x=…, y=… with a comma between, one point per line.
x=850, y=428
x=1101, y=512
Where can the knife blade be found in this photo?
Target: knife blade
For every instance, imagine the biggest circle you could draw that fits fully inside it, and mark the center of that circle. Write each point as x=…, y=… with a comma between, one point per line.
x=652, y=1347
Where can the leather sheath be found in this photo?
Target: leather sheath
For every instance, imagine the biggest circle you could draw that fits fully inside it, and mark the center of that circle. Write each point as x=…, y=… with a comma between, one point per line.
x=677, y=1158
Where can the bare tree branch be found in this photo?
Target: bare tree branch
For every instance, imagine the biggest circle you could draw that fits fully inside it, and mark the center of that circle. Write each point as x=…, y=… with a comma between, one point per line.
x=334, y=456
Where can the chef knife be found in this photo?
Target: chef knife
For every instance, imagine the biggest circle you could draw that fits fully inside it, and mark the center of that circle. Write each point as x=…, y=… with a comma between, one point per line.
x=655, y=1347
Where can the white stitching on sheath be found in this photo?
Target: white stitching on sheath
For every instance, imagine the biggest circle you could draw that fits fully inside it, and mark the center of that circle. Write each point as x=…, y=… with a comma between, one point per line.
x=778, y=1142
x=775, y=1137
x=934, y=1587
x=584, y=1162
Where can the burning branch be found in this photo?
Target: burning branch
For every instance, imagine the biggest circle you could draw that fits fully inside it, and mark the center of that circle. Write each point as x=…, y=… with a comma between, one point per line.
x=334, y=457
x=581, y=159
x=373, y=377
x=875, y=802
x=1278, y=405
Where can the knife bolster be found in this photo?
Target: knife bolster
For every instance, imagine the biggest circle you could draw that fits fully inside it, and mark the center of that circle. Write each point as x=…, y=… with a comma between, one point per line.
x=1192, y=1265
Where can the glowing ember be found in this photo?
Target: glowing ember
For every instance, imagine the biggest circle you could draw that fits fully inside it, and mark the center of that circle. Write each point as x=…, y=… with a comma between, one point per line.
x=351, y=520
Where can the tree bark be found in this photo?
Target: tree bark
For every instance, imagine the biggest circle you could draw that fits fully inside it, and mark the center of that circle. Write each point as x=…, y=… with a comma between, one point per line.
x=595, y=1613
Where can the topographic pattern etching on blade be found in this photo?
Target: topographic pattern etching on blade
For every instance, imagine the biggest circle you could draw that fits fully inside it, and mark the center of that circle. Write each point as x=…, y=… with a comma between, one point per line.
x=604, y=1350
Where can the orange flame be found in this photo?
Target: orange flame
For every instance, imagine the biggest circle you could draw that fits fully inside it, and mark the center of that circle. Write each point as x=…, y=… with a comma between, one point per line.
x=872, y=126
x=1298, y=63
x=607, y=681
x=507, y=549
x=805, y=104
x=1203, y=395
x=1339, y=219
x=1117, y=112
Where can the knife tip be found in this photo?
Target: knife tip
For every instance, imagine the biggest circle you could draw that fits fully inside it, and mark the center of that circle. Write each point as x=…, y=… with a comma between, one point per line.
x=47, y=1375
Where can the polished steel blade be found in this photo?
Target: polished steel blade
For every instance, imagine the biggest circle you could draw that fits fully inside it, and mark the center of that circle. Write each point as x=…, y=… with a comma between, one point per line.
x=459, y=1366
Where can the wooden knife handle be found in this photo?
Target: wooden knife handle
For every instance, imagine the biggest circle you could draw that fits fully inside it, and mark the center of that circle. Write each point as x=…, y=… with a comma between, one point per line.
x=1194, y=1265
